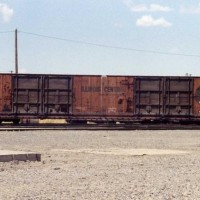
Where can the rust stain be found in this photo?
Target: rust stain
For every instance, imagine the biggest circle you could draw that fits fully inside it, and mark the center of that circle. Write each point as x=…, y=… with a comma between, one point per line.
x=5, y=93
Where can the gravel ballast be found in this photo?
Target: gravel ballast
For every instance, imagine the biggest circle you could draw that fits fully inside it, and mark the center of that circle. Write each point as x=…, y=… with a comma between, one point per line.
x=102, y=165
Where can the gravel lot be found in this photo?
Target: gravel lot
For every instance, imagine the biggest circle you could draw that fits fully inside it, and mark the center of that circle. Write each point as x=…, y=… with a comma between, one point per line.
x=102, y=165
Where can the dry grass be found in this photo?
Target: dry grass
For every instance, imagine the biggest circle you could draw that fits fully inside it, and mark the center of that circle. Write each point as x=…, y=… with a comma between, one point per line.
x=52, y=121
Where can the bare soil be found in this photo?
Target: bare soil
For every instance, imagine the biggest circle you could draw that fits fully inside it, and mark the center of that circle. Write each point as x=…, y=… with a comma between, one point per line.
x=111, y=165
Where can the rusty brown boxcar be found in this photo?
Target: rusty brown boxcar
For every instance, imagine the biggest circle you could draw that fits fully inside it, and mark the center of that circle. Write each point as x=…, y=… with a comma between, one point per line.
x=82, y=98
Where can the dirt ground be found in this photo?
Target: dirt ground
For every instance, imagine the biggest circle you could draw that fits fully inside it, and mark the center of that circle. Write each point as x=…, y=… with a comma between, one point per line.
x=103, y=165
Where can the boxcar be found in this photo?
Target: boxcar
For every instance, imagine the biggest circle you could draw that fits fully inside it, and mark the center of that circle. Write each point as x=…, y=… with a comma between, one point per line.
x=83, y=98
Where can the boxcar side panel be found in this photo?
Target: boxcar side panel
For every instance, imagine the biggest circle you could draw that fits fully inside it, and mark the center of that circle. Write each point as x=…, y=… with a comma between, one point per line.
x=117, y=95
x=103, y=95
x=27, y=97
x=42, y=95
x=5, y=93
x=86, y=95
x=179, y=93
x=57, y=95
x=164, y=96
x=149, y=96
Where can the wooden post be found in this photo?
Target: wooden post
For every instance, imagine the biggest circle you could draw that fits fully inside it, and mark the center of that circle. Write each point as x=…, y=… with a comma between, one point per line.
x=16, y=53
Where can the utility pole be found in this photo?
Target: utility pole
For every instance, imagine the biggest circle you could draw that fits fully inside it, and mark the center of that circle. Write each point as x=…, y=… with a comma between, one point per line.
x=16, y=53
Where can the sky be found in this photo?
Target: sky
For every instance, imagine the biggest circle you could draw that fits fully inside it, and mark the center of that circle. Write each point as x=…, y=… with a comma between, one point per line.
x=105, y=37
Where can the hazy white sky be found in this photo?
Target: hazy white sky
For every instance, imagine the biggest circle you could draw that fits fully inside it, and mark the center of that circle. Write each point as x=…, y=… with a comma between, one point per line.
x=158, y=25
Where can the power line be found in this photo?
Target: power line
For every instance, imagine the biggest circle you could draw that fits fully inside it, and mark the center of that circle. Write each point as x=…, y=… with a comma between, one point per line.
x=110, y=46
x=1, y=32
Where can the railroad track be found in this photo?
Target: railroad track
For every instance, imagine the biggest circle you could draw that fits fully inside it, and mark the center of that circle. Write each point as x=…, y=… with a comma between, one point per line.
x=119, y=127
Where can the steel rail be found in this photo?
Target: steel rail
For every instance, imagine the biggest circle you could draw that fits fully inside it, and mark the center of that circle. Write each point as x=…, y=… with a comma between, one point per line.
x=96, y=127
